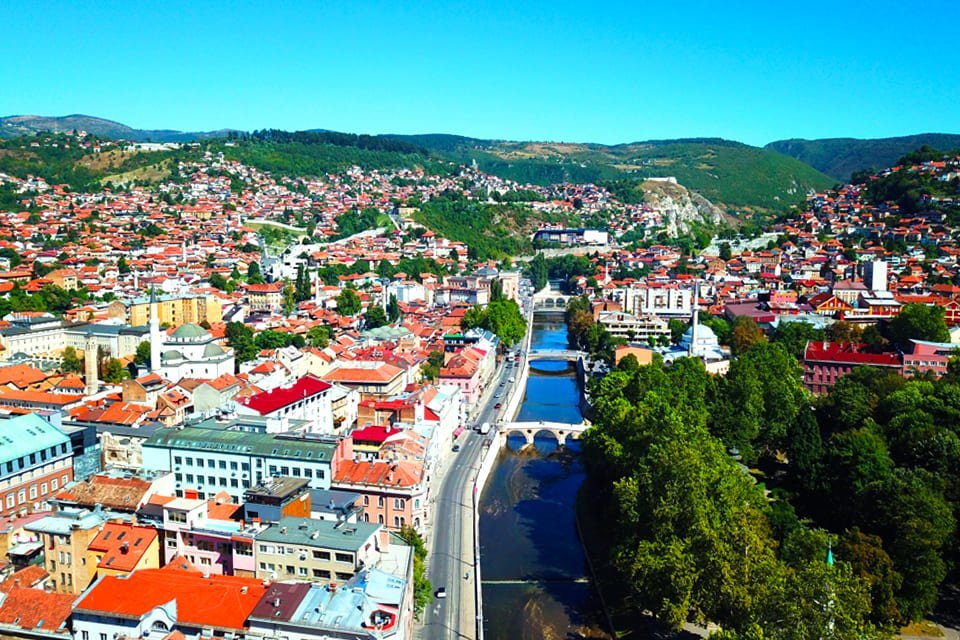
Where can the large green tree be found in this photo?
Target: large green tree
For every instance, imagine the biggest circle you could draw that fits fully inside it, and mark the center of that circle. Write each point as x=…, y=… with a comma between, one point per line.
x=348, y=303
x=919, y=322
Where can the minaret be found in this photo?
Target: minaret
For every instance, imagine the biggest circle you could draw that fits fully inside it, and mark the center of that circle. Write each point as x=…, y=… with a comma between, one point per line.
x=90, y=366
x=695, y=312
x=316, y=287
x=155, y=341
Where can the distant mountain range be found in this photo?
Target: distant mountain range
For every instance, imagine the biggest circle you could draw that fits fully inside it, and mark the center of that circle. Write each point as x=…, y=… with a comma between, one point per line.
x=840, y=157
x=14, y=126
x=731, y=174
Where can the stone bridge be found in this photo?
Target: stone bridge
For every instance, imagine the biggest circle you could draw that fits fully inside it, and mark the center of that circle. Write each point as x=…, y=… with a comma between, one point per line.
x=569, y=355
x=560, y=430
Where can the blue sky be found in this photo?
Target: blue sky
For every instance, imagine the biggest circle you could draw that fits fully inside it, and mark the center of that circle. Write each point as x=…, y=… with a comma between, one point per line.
x=587, y=72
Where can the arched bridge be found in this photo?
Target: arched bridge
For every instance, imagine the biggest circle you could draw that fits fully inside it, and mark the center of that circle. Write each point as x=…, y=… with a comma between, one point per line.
x=560, y=430
x=554, y=354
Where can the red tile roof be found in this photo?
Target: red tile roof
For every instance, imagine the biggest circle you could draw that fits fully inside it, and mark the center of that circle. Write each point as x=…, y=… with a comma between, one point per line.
x=122, y=545
x=267, y=402
x=27, y=608
x=848, y=353
x=223, y=602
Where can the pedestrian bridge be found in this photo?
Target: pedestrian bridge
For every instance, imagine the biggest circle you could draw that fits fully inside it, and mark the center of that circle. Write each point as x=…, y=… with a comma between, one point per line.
x=529, y=430
x=555, y=354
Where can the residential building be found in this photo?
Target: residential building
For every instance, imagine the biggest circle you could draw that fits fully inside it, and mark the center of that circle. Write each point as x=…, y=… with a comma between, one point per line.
x=307, y=399
x=265, y=297
x=121, y=548
x=634, y=328
x=277, y=498
x=36, y=460
x=161, y=601
x=66, y=537
x=394, y=492
x=316, y=550
x=370, y=378
x=173, y=310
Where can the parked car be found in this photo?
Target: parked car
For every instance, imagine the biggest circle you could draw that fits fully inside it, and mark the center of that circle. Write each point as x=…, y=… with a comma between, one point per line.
x=441, y=593
x=456, y=448
x=498, y=405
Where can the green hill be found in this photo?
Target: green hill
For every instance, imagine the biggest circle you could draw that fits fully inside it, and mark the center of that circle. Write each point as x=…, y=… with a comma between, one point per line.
x=731, y=174
x=840, y=157
x=27, y=125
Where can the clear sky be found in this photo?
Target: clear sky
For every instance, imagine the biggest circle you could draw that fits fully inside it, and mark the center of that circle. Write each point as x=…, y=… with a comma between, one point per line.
x=587, y=72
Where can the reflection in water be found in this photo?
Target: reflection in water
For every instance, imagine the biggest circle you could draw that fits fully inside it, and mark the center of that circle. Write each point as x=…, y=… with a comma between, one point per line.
x=533, y=566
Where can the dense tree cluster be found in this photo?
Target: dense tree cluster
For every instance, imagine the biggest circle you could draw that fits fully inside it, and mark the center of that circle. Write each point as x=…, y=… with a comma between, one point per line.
x=872, y=468
x=502, y=317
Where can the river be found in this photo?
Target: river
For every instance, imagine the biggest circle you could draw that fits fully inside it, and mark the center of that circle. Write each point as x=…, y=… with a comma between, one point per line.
x=535, y=576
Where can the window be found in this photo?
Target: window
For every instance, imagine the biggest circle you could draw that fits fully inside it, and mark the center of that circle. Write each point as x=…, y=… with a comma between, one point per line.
x=200, y=462
x=380, y=501
x=223, y=464
x=398, y=503
x=64, y=479
x=344, y=576
x=190, y=462
x=302, y=571
x=290, y=570
x=244, y=550
x=54, y=485
x=267, y=548
x=344, y=557
x=321, y=573
x=321, y=555
x=233, y=466
x=33, y=492
x=84, y=635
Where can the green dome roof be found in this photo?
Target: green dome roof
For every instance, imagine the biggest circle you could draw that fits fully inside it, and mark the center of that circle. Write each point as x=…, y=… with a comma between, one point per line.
x=190, y=330
x=213, y=350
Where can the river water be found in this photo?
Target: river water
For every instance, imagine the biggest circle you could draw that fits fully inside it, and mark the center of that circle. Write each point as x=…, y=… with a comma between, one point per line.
x=535, y=575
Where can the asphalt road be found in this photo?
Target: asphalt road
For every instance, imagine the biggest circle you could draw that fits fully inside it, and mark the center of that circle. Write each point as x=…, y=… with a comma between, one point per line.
x=451, y=549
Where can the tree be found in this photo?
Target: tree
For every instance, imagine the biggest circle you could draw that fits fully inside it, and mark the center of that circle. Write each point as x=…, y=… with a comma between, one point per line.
x=919, y=322
x=844, y=331
x=430, y=370
x=122, y=266
x=914, y=521
x=254, y=275
x=629, y=362
x=318, y=336
x=289, y=299
x=71, y=361
x=795, y=335
x=502, y=317
x=746, y=333
x=218, y=281
x=113, y=371
x=348, y=303
x=302, y=284
x=725, y=251
x=538, y=272
x=874, y=566
x=677, y=329
x=422, y=589
x=393, y=309
x=241, y=339
x=143, y=353
x=374, y=317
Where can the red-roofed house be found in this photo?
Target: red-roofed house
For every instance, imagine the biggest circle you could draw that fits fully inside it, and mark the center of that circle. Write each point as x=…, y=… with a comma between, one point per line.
x=32, y=613
x=395, y=493
x=121, y=548
x=159, y=601
x=306, y=399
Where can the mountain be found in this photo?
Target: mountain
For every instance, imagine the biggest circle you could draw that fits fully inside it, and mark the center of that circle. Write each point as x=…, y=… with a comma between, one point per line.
x=840, y=157
x=730, y=174
x=15, y=126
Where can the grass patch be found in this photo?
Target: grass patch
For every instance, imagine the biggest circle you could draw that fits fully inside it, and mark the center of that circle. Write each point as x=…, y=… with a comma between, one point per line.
x=923, y=628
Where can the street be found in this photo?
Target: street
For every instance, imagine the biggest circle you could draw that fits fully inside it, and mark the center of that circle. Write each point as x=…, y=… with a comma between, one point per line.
x=451, y=547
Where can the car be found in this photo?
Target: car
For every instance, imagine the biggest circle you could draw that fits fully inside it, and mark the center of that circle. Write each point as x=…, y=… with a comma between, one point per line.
x=440, y=593
x=498, y=405
x=456, y=448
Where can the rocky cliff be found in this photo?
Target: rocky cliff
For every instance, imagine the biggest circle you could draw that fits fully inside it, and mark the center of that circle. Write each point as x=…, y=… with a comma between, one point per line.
x=679, y=207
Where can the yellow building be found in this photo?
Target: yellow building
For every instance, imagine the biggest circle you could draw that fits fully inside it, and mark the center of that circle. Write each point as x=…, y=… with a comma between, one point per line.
x=172, y=310
x=66, y=537
x=121, y=548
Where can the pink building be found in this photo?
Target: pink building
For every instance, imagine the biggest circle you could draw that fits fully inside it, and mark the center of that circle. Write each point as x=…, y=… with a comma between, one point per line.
x=394, y=493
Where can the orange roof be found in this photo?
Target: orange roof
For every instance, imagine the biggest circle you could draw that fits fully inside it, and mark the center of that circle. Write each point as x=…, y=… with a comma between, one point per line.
x=223, y=602
x=382, y=372
x=29, y=576
x=379, y=473
x=21, y=375
x=123, y=545
x=27, y=608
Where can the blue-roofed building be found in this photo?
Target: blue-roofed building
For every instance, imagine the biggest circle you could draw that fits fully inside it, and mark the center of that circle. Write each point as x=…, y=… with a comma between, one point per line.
x=36, y=459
